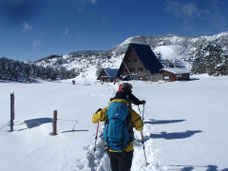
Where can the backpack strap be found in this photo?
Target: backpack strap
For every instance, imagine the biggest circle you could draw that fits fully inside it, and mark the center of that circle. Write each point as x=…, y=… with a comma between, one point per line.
x=129, y=128
x=128, y=99
x=130, y=131
x=123, y=132
x=107, y=142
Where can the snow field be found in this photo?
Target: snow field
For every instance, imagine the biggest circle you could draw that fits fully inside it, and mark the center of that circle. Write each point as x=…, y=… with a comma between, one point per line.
x=184, y=126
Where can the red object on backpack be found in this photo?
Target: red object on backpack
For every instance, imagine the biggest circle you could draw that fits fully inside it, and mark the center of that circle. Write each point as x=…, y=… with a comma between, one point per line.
x=120, y=87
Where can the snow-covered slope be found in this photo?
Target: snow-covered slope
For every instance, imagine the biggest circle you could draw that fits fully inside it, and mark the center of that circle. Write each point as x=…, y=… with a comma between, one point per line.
x=188, y=133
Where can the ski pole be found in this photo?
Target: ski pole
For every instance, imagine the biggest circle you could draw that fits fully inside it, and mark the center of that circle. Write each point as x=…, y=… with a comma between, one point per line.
x=144, y=151
x=96, y=137
x=143, y=111
x=139, y=111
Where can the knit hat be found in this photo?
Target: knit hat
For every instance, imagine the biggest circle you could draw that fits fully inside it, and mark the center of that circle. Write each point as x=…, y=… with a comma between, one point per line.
x=126, y=87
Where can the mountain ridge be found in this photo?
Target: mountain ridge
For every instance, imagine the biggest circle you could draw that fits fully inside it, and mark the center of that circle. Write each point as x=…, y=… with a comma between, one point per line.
x=186, y=50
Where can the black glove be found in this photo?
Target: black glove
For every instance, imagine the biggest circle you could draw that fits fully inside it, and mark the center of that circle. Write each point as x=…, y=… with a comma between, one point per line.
x=143, y=102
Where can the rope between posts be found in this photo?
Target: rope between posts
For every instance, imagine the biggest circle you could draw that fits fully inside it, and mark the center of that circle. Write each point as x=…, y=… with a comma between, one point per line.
x=5, y=125
x=68, y=120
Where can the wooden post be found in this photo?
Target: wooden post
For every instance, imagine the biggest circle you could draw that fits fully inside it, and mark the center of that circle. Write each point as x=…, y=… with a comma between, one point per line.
x=12, y=111
x=54, y=123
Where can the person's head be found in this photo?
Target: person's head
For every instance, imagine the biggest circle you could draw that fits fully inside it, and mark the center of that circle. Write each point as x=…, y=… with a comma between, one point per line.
x=126, y=87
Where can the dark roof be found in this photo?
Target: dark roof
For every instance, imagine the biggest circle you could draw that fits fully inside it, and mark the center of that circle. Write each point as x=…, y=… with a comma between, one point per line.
x=147, y=57
x=111, y=72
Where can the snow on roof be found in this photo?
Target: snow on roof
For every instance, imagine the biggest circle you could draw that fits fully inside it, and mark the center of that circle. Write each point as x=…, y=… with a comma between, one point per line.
x=176, y=70
x=111, y=72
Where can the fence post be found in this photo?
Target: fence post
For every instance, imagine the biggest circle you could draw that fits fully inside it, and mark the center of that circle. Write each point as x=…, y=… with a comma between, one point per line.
x=54, y=123
x=12, y=111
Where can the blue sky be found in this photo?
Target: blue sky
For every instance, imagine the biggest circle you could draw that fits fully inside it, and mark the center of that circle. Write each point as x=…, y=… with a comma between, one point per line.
x=33, y=29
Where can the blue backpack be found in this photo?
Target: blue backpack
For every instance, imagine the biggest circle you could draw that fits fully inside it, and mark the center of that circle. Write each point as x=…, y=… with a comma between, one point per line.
x=116, y=132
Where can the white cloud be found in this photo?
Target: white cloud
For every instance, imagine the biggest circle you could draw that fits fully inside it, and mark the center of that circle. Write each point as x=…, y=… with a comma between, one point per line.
x=36, y=44
x=84, y=1
x=66, y=32
x=190, y=9
x=93, y=1
x=181, y=10
x=26, y=26
x=189, y=12
x=81, y=4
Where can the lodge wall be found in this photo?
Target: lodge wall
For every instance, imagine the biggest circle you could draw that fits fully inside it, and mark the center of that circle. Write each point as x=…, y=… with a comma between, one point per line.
x=167, y=76
x=184, y=77
x=134, y=65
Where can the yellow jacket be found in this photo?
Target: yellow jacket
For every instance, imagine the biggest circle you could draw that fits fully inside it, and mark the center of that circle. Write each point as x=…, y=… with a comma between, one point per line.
x=136, y=121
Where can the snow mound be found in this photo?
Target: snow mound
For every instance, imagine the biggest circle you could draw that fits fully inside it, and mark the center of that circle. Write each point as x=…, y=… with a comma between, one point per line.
x=169, y=52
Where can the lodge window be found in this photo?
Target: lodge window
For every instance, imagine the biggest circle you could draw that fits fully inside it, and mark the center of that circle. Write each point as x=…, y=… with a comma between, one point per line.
x=166, y=77
x=132, y=69
x=140, y=69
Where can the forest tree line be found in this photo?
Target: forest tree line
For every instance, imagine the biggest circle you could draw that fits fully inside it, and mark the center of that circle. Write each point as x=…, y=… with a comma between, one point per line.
x=212, y=60
x=21, y=71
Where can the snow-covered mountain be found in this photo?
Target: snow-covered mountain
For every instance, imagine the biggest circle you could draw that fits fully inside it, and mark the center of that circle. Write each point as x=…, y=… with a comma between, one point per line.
x=174, y=48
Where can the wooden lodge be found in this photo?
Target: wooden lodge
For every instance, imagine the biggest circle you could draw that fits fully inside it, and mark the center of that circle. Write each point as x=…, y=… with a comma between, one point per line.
x=174, y=74
x=140, y=63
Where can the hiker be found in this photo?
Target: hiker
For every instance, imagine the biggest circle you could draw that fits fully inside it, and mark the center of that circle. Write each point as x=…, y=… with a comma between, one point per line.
x=118, y=133
x=125, y=92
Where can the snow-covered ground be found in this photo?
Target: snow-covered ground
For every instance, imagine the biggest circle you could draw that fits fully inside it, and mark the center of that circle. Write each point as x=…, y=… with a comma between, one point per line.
x=184, y=128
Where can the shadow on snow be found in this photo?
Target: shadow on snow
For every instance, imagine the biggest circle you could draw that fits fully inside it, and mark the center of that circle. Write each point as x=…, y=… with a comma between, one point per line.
x=69, y=131
x=175, y=135
x=37, y=122
x=31, y=81
x=192, y=167
x=32, y=123
x=154, y=122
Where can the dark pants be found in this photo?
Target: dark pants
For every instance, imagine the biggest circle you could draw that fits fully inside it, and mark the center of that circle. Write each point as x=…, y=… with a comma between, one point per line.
x=120, y=161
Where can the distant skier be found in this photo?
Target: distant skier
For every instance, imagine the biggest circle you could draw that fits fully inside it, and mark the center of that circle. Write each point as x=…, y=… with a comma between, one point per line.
x=118, y=133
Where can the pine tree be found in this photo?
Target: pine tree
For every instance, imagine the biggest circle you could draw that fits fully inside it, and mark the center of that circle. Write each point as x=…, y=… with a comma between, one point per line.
x=210, y=60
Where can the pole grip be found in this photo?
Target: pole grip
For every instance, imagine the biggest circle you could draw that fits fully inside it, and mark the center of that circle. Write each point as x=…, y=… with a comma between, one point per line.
x=143, y=111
